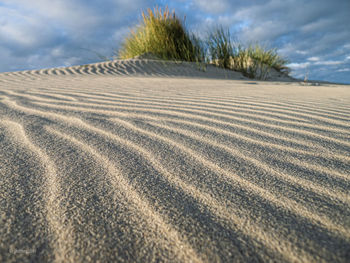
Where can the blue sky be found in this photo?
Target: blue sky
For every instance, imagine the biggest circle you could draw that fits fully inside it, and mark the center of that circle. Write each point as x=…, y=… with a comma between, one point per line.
x=313, y=34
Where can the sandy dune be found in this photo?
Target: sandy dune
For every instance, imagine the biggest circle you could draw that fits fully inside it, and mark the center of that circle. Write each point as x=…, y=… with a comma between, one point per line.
x=147, y=161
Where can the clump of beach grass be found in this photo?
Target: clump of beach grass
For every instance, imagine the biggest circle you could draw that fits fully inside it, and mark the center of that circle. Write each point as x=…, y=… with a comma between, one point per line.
x=220, y=48
x=254, y=61
x=163, y=34
x=250, y=61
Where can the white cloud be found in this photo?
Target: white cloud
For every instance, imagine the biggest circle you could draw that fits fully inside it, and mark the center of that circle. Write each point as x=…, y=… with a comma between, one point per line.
x=301, y=52
x=344, y=70
x=299, y=65
x=313, y=59
x=57, y=52
x=328, y=63
x=22, y=30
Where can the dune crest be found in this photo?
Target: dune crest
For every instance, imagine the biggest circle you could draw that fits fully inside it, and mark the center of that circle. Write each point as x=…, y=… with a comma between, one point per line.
x=147, y=66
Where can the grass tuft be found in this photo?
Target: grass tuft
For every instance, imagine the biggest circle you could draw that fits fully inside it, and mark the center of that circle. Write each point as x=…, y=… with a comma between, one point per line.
x=220, y=48
x=163, y=34
x=253, y=61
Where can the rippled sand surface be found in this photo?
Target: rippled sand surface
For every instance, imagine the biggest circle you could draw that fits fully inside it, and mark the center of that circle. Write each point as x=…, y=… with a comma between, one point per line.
x=139, y=161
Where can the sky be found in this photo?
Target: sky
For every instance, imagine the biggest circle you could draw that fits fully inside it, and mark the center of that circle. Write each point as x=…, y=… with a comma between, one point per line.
x=313, y=34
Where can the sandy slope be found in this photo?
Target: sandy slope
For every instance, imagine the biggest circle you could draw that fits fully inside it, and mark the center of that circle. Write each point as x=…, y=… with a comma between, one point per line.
x=96, y=165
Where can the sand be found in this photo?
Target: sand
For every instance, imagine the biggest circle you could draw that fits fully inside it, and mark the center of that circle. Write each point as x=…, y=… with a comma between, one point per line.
x=148, y=161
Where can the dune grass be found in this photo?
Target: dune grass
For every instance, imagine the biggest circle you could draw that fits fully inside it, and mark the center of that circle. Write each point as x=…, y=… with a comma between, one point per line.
x=220, y=48
x=253, y=61
x=164, y=35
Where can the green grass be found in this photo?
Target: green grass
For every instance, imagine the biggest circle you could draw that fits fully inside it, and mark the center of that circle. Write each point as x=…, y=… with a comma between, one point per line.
x=250, y=61
x=163, y=34
x=253, y=61
x=220, y=48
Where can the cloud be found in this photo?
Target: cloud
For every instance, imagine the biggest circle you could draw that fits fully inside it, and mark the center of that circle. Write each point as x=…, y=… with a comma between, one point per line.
x=327, y=63
x=21, y=30
x=301, y=52
x=344, y=70
x=313, y=59
x=299, y=65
